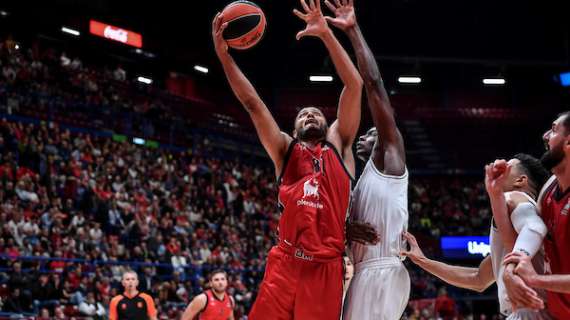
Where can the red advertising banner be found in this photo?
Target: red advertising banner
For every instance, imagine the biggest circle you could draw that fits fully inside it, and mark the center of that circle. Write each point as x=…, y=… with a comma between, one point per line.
x=115, y=33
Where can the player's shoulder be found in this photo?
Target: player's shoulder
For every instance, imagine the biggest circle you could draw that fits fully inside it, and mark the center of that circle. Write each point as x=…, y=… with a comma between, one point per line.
x=517, y=197
x=202, y=297
x=550, y=183
x=117, y=298
x=144, y=295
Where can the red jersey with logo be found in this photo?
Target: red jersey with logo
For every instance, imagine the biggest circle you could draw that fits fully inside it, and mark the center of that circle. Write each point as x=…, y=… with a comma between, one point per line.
x=215, y=308
x=555, y=210
x=314, y=196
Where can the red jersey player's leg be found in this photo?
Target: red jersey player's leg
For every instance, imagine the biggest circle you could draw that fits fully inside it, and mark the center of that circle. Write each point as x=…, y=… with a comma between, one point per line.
x=319, y=293
x=276, y=295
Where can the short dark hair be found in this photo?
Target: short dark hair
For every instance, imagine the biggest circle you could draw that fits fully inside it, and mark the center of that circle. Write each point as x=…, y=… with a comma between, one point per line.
x=566, y=121
x=532, y=167
x=215, y=272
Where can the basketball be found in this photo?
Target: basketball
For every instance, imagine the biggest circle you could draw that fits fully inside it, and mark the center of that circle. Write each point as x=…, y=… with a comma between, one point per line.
x=246, y=24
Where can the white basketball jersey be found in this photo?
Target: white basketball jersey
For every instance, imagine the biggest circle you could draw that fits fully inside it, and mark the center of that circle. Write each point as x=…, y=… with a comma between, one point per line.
x=382, y=201
x=498, y=253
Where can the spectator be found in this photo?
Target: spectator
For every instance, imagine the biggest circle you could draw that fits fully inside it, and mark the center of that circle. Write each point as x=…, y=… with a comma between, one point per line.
x=43, y=293
x=444, y=305
x=91, y=308
x=120, y=74
x=16, y=302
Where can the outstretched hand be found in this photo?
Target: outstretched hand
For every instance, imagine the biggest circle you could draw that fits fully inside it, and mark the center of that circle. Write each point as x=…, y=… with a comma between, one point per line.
x=415, y=253
x=345, y=18
x=496, y=175
x=218, y=28
x=313, y=16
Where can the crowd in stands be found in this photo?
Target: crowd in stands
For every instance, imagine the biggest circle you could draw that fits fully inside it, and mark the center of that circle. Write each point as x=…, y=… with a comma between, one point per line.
x=75, y=206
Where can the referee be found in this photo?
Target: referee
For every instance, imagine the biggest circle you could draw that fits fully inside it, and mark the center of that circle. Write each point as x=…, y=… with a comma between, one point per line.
x=132, y=304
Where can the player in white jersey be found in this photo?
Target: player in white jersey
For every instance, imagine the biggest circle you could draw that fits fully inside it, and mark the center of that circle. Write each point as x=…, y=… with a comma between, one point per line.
x=518, y=187
x=380, y=287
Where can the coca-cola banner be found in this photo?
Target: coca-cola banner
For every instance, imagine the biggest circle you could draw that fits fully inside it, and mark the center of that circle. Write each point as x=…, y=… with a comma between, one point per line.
x=115, y=33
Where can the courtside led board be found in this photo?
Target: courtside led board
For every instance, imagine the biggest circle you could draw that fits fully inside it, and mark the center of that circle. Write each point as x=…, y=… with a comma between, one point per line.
x=465, y=247
x=110, y=32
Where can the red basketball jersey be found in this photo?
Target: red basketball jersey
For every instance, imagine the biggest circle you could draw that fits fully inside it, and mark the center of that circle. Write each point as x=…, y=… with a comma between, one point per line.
x=555, y=208
x=216, y=309
x=314, y=198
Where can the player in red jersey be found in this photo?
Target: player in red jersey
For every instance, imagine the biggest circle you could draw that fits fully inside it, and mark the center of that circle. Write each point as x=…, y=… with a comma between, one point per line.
x=304, y=272
x=213, y=304
x=554, y=205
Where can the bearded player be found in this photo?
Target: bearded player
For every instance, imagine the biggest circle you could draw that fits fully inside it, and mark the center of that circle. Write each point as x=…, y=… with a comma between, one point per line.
x=213, y=304
x=512, y=188
x=304, y=272
x=554, y=203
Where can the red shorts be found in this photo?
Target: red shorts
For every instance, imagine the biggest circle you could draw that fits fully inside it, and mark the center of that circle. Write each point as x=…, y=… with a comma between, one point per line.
x=296, y=286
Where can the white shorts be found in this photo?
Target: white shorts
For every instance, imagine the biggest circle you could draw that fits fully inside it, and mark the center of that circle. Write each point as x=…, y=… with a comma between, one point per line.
x=379, y=290
x=527, y=314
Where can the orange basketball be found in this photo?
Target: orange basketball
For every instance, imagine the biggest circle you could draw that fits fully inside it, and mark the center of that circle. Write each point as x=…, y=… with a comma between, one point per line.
x=246, y=24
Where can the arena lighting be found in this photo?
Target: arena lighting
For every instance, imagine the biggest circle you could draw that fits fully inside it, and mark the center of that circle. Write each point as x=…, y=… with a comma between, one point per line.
x=144, y=80
x=201, y=69
x=321, y=78
x=70, y=31
x=494, y=81
x=3, y=13
x=110, y=32
x=139, y=141
x=410, y=80
x=565, y=79
x=17, y=47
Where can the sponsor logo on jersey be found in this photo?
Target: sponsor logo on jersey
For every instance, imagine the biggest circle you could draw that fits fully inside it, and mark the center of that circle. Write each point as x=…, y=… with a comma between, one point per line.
x=305, y=203
x=301, y=255
x=311, y=189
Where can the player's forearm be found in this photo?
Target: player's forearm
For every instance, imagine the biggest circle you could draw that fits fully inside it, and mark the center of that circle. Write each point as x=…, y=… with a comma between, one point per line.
x=501, y=216
x=552, y=282
x=189, y=314
x=462, y=277
x=364, y=56
x=241, y=86
x=378, y=100
x=346, y=70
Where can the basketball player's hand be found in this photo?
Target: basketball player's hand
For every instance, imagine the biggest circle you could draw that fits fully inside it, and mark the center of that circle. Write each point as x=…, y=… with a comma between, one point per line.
x=313, y=16
x=519, y=293
x=524, y=267
x=496, y=175
x=345, y=18
x=217, y=34
x=415, y=253
x=361, y=232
